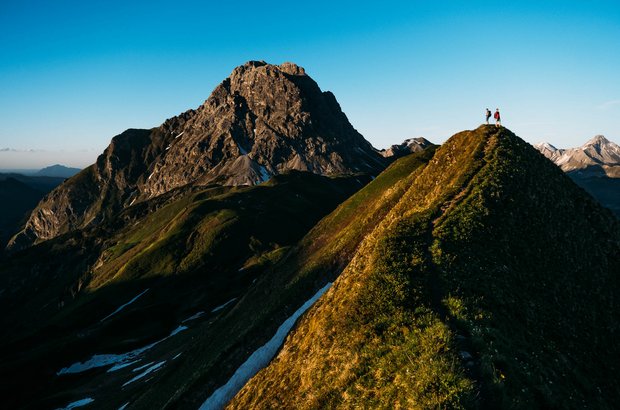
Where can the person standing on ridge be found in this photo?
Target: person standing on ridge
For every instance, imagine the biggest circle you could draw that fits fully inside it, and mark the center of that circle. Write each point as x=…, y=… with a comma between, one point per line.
x=488, y=115
x=498, y=119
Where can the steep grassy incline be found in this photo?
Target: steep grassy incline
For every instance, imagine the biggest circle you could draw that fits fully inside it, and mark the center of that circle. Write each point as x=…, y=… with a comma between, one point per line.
x=320, y=256
x=490, y=283
x=193, y=251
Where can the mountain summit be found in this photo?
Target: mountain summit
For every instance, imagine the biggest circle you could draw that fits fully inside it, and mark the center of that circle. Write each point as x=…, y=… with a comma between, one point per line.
x=598, y=156
x=468, y=293
x=261, y=121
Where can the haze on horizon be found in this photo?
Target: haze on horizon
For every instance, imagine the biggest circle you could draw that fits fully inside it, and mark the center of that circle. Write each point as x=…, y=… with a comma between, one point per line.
x=75, y=74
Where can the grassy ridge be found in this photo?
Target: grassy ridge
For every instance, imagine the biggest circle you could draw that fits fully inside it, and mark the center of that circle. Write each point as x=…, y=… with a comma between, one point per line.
x=331, y=244
x=468, y=294
x=193, y=251
x=522, y=305
x=297, y=275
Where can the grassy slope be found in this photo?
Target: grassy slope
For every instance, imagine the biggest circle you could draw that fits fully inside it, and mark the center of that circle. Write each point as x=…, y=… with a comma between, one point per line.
x=226, y=342
x=469, y=293
x=606, y=190
x=188, y=251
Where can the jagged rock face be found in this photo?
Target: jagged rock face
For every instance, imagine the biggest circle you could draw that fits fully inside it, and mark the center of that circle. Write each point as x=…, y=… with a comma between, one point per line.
x=597, y=157
x=261, y=121
x=94, y=194
x=406, y=147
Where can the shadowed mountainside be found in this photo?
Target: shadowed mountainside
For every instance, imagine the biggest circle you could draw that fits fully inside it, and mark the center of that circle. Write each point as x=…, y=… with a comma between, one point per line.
x=595, y=166
x=469, y=293
x=181, y=253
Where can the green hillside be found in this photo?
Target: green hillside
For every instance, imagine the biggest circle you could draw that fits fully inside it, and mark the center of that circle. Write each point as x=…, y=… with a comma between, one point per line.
x=224, y=344
x=490, y=283
x=193, y=250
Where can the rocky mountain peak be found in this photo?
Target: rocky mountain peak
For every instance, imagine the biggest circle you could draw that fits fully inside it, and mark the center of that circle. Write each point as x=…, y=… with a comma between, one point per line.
x=545, y=146
x=292, y=69
x=597, y=140
x=261, y=121
x=408, y=146
x=597, y=157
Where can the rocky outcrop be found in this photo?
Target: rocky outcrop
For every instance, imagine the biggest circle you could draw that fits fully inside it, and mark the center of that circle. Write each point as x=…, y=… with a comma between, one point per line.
x=597, y=157
x=408, y=146
x=261, y=121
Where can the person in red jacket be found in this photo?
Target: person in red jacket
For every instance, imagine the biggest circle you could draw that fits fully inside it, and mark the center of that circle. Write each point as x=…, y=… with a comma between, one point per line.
x=498, y=119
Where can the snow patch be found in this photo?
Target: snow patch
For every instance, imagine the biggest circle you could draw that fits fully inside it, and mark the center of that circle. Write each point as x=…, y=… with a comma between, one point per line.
x=220, y=307
x=177, y=330
x=176, y=356
x=78, y=403
x=153, y=368
x=259, y=359
x=264, y=174
x=179, y=135
x=123, y=306
x=137, y=369
x=122, y=365
x=194, y=316
x=124, y=406
x=101, y=360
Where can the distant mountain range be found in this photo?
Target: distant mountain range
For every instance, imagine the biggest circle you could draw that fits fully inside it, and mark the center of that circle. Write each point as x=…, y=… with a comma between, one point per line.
x=58, y=171
x=406, y=147
x=595, y=166
x=259, y=253
x=50, y=171
x=597, y=157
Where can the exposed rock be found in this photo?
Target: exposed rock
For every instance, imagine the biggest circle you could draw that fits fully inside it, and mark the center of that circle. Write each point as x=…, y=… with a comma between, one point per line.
x=406, y=147
x=597, y=157
x=261, y=121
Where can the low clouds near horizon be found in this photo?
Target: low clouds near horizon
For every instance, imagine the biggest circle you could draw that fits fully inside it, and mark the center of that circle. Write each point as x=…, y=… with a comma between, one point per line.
x=15, y=159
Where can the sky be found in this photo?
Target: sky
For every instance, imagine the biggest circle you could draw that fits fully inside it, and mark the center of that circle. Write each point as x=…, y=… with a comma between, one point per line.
x=73, y=74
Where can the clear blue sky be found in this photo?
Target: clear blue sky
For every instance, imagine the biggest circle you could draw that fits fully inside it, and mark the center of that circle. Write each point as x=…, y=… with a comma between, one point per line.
x=75, y=73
